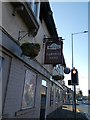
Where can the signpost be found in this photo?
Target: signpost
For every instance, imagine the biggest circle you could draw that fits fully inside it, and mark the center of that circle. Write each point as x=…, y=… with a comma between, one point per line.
x=53, y=52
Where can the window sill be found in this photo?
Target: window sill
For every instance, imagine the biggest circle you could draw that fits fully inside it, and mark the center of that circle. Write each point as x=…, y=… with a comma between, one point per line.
x=24, y=111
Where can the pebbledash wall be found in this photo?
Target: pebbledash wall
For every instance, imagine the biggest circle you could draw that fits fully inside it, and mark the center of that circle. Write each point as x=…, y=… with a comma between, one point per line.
x=21, y=74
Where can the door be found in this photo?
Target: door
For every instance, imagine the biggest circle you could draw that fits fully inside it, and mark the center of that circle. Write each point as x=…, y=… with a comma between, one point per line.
x=43, y=103
x=6, y=64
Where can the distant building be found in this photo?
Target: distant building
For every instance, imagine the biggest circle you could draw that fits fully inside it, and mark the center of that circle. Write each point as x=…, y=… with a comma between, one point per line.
x=28, y=89
x=67, y=95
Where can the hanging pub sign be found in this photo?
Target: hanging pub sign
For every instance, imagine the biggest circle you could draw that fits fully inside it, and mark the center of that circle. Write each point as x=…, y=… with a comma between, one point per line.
x=53, y=52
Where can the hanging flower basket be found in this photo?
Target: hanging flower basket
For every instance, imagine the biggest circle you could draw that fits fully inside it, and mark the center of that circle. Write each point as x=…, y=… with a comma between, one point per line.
x=30, y=49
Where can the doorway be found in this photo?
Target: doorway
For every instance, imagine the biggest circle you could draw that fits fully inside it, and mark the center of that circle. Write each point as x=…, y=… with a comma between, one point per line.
x=43, y=102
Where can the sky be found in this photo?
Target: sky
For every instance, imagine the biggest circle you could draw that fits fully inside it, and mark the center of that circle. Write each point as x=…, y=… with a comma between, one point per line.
x=72, y=17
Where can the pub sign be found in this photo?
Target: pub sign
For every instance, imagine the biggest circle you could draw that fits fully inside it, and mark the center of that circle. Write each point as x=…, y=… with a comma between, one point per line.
x=53, y=52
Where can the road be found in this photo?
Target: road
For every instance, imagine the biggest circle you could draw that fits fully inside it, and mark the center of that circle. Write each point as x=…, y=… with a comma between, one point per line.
x=83, y=108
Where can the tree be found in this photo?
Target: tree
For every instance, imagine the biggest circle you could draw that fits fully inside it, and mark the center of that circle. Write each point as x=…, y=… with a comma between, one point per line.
x=79, y=94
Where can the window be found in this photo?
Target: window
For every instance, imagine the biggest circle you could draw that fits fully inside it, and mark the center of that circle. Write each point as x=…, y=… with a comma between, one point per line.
x=51, y=94
x=44, y=83
x=58, y=95
x=29, y=90
x=1, y=62
x=35, y=6
x=61, y=95
x=1, y=84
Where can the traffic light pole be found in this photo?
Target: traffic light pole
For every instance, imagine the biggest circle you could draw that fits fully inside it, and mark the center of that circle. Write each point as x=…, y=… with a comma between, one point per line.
x=74, y=98
x=74, y=95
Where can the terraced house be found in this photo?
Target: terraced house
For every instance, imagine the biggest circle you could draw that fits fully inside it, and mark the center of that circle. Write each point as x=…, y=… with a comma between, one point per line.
x=29, y=87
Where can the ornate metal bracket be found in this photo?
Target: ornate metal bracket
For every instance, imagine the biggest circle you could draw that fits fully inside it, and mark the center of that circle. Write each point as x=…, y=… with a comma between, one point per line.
x=46, y=38
x=20, y=37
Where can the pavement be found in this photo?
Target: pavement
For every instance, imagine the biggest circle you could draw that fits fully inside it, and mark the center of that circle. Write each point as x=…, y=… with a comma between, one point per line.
x=66, y=113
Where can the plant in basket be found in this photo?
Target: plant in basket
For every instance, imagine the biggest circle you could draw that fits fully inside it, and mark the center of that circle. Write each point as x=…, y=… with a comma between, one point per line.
x=30, y=49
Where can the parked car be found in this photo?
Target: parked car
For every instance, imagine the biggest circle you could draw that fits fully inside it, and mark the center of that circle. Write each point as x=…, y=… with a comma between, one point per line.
x=85, y=102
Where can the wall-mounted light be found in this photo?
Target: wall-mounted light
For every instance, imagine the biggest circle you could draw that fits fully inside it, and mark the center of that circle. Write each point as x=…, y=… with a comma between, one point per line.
x=19, y=8
x=45, y=38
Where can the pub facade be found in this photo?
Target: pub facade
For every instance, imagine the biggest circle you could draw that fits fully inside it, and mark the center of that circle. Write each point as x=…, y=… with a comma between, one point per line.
x=28, y=87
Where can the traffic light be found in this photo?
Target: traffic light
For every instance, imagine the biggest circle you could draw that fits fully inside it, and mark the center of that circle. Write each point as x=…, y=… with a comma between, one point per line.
x=69, y=82
x=80, y=92
x=89, y=92
x=74, y=76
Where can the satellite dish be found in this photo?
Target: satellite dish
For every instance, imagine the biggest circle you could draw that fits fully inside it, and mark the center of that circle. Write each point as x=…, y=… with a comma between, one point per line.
x=66, y=70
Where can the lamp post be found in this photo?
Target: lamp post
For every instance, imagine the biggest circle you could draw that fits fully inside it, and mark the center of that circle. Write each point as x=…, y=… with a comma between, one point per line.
x=74, y=96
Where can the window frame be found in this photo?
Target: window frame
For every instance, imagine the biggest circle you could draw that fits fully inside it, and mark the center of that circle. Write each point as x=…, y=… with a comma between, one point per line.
x=51, y=94
x=35, y=6
x=33, y=90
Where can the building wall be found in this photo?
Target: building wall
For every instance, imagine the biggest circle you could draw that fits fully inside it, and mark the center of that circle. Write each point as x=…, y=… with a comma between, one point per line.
x=14, y=87
x=55, y=105
x=13, y=98
x=42, y=32
x=11, y=23
x=17, y=24
x=15, y=66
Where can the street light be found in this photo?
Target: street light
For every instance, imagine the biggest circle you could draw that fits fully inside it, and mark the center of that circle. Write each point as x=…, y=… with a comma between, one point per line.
x=72, y=42
x=74, y=100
